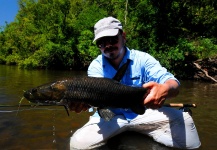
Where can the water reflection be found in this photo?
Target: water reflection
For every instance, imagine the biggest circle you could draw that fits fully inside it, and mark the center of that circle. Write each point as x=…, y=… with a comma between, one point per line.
x=51, y=128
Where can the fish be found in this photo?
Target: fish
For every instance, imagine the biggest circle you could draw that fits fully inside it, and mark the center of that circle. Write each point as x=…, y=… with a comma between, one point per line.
x=102, y=93
x=97, y=92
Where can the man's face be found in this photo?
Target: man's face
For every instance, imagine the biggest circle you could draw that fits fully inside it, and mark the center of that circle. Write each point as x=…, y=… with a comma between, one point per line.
x=111, y=46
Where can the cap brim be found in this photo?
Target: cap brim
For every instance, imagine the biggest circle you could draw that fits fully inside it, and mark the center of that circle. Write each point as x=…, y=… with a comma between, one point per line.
x=109, y=32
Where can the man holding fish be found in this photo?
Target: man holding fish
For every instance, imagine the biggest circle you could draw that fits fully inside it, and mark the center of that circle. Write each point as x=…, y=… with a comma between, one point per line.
x=168, y=126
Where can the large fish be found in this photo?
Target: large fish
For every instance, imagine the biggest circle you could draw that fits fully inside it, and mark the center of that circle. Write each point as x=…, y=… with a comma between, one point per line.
x=98, y=92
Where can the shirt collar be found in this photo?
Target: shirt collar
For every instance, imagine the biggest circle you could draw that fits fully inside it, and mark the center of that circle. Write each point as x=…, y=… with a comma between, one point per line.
x=128, y=55
x=109, y=69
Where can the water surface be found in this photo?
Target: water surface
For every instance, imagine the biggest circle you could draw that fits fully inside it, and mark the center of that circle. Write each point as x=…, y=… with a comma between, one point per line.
x=51, y=128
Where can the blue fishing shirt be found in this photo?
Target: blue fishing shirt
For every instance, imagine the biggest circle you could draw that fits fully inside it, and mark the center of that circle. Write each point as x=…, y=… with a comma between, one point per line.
x=142, y=69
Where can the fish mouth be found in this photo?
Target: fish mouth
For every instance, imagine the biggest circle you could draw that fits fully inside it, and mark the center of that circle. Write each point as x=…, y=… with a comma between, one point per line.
x=28, y=95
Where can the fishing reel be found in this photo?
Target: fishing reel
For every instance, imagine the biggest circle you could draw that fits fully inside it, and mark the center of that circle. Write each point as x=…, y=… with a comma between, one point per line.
x=186, y=109
x=182, y=107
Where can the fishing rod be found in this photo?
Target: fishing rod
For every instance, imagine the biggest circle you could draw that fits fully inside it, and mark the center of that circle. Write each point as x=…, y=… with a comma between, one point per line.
x=181, y=105
x=165, y=105
x=28, y=105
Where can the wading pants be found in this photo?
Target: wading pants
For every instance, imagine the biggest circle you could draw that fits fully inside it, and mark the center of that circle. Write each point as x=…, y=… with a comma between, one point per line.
x=168, y=126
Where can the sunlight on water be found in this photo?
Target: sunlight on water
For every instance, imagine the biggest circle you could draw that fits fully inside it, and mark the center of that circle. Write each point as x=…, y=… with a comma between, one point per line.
x=54, y=130
x=50, y=128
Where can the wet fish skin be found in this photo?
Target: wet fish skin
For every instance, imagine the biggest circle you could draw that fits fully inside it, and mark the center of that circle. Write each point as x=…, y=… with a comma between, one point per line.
x=97, y=92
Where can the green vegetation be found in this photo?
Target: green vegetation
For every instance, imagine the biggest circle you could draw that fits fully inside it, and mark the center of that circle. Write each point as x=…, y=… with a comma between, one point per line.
x=58, y=34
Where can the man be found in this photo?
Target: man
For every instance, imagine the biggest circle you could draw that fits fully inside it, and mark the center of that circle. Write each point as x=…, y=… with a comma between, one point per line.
x=168, y=126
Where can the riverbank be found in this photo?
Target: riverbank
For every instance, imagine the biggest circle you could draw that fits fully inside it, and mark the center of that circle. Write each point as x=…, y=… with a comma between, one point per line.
x=205, y=70
x=198, y=70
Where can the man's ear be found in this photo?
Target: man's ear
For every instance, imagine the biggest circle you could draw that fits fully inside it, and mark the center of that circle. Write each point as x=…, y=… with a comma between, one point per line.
x=124, y=37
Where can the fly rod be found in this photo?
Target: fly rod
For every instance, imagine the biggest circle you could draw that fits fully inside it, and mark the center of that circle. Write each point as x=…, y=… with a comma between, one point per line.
x=165, y=105
x=28, y=105
x=180, y=105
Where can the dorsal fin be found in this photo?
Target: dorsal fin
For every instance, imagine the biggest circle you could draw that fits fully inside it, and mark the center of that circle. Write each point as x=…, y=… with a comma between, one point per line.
x=121, y=71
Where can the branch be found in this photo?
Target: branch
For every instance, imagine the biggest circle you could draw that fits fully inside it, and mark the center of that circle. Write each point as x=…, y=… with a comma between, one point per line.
x=125, y=15
x=205, y=72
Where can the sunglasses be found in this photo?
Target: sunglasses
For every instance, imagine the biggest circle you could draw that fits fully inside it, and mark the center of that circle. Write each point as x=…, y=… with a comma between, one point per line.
x=101, y=43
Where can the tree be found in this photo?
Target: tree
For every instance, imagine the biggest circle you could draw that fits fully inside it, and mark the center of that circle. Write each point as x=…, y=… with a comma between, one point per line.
x=58, y=33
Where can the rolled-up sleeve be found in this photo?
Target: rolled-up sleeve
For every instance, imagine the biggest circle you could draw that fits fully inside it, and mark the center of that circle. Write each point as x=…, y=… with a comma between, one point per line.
x=154, y=71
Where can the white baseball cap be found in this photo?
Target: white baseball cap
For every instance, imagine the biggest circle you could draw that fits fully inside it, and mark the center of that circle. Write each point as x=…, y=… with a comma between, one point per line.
x=108, y=26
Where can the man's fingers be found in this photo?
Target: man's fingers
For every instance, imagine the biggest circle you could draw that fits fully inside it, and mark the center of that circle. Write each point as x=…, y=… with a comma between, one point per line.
x=148, y=85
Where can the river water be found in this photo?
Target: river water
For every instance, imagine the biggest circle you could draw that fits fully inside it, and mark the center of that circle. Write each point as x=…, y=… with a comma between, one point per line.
x=50, y=127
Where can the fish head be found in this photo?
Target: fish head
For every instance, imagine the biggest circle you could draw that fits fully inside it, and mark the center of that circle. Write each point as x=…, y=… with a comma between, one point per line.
x=50, y=93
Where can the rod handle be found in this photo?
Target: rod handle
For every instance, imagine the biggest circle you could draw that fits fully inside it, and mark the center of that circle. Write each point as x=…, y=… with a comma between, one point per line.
x=180, y=105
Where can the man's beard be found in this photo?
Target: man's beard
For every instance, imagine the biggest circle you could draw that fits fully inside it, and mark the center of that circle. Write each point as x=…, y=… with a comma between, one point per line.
x=110, y=49
x=108, y=52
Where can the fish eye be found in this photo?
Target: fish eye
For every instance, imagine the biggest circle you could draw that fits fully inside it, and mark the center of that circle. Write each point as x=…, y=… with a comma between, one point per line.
x=53, y=87
x=34, y=90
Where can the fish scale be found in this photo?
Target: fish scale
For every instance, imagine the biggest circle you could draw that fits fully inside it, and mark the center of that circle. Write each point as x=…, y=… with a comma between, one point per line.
x=104, y=92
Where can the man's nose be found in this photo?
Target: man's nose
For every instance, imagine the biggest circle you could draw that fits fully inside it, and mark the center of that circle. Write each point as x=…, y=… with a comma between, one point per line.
x=107, y=44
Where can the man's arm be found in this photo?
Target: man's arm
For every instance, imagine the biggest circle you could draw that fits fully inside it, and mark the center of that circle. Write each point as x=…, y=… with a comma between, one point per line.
x=158, y=93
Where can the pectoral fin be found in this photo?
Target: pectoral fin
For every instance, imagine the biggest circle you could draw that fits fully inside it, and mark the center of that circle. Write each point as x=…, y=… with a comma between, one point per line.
x=106, y=114
x=66, y=109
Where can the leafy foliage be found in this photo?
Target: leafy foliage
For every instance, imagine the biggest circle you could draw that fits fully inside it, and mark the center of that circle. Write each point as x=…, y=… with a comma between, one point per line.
x=58, y=34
